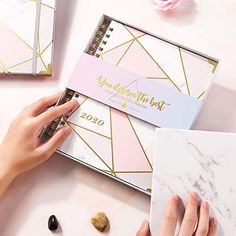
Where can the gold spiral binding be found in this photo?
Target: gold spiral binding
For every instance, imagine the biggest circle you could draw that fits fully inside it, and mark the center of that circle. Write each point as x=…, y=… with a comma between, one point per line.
x=49, y=130
x=96, y=47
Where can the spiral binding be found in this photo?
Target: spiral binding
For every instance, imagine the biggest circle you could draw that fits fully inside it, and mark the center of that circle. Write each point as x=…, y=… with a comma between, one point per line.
x=96, y=47
x=49, y=130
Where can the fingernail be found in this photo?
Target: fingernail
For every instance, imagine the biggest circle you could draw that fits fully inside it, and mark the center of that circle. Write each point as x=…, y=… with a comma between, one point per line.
x=205, y=204
x=67, y=130
x=144, y=224
x=176, y=197
x=195, y=196
x=214, y=220
x=74, y=101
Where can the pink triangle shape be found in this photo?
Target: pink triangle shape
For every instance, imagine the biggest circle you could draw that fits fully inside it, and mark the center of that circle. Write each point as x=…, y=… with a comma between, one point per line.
x=128, y=154
x=138, y=61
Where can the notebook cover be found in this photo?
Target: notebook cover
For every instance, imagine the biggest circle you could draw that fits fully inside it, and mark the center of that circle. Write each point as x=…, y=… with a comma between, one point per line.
x=198, y=161
x=26, y=29
x=114, y=142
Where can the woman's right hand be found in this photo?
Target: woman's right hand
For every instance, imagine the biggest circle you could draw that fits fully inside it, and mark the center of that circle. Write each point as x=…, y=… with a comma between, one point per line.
x=194, y=223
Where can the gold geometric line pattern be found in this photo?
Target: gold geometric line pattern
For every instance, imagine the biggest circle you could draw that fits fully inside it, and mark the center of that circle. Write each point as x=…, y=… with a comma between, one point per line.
x=132, y=172
x=46, y=48
x=139, y=141
x=104, y=136
x=161, y=78
x=18, y=64
x=42, y=62
x=112, y=152
x=153, y=60
x=91, y=149
x=214, y=63
x=3, y=69
x=201, y=95
x=16, y=35
x=120, y=45
x=44, y=4
x=124, y=53
x=185, y=76
x=39, y=54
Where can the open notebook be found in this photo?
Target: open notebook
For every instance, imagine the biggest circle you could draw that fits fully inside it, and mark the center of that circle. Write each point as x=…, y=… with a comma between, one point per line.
x=116, y=143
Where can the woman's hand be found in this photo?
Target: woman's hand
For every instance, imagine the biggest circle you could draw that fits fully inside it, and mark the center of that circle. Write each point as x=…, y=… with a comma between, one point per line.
x=194, y=223
x=21, y=149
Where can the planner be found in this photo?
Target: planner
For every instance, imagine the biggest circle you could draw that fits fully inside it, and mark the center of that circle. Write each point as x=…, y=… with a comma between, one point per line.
x=26, y=42
x=144, y=82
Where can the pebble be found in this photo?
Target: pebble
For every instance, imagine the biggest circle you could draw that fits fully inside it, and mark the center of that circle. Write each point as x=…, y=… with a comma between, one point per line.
x=100, y=221
x=52, y=223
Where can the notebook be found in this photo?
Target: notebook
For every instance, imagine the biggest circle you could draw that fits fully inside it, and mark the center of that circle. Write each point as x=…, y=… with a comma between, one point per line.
x=26, y=42
x=198, y=161
x=117, y=143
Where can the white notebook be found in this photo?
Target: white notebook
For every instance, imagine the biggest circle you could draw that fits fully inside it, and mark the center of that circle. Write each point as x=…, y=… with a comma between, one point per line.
x=204, y=162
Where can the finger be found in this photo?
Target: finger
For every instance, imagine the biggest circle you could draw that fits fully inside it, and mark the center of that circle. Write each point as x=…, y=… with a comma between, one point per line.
x=203, y=225
x=212, y=227
x=144, y=230
x=56, y=112
x=190, y=216
x=171, y=217
x=41, y=105
x=48, y=148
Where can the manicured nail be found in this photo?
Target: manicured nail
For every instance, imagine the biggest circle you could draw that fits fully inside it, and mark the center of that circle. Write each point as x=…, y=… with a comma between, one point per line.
x=214, y=221
x=195, y=196
x=74, y=101
x=176, y=197
x=67, y=130
x=205, y=204
x=144, y=224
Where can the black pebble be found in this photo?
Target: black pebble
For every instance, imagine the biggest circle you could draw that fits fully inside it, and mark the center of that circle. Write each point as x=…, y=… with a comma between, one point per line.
x=52, y=223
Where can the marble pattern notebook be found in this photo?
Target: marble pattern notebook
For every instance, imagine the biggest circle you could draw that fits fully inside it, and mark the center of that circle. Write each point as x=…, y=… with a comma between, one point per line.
x=26, y=42
x=198, y=161
x=114, y=142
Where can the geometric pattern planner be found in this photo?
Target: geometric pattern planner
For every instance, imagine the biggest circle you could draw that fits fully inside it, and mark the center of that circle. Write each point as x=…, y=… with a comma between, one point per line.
x=114, y=142
x=26, y=42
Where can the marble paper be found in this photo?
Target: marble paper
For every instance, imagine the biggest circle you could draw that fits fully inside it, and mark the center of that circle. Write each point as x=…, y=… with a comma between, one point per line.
x=204, y=162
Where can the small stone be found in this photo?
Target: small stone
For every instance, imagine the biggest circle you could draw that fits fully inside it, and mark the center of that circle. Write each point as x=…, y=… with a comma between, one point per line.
x=52, y=223
x=100, y=221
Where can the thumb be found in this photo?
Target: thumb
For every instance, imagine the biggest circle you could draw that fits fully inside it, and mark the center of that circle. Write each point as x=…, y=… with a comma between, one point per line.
x=57, y=139
x=144, y=229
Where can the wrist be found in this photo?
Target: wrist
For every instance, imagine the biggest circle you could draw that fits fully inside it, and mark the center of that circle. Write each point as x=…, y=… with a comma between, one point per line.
x=7, y=174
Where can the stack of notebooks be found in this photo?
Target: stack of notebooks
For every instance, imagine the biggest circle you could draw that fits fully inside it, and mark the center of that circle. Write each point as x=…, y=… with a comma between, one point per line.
x=26, y=42
x=128, y=82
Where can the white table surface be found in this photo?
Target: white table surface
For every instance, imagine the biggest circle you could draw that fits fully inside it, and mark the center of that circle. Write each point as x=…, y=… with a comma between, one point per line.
x=70, y=191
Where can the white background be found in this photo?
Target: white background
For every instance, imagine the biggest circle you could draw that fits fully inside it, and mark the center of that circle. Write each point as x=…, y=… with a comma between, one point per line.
x=71, y=191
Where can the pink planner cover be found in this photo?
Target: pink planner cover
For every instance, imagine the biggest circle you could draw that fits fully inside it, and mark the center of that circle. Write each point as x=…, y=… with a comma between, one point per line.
x=114, y=142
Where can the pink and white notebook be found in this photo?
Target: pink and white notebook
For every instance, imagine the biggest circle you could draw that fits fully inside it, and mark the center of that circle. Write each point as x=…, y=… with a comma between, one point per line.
x=113, y=141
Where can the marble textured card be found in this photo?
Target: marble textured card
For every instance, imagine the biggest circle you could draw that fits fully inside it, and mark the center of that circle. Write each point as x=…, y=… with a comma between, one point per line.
x=103, y=136
x=26, y=42
x=204, y=162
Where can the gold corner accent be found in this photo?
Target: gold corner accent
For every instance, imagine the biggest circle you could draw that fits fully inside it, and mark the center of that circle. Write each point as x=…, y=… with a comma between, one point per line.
x=214, y=64
x=48, y=71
